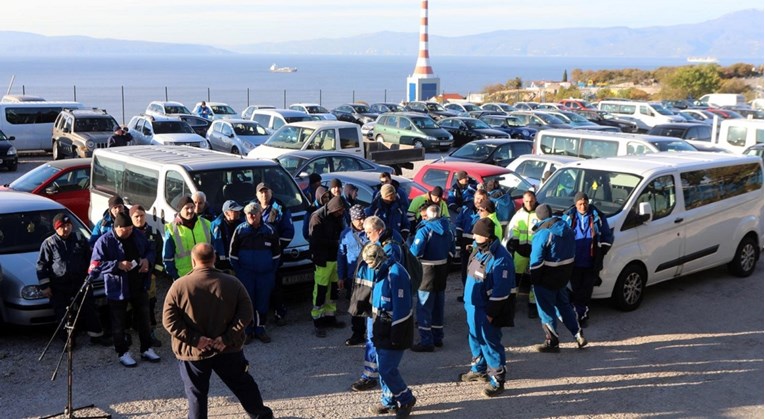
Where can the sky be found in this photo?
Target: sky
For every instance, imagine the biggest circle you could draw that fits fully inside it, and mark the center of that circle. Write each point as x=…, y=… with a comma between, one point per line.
x=240, y=22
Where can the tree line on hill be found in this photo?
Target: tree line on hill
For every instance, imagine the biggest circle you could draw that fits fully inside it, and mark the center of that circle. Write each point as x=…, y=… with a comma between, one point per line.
x=663, y=83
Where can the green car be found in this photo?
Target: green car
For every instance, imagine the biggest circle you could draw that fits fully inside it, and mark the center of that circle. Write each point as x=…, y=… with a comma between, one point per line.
x=412, y=129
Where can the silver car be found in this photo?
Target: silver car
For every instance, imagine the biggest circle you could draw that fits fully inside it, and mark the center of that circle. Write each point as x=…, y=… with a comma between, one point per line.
x=236, y=136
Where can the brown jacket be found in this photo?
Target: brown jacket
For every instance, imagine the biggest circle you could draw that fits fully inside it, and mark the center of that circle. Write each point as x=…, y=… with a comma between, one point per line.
x=206, y=302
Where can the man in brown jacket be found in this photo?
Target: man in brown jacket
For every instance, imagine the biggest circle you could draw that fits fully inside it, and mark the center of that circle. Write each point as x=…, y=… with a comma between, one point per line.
x=205, y=313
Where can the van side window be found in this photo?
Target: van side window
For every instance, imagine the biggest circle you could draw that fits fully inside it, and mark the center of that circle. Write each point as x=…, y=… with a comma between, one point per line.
x=175, y=188
x=702, y=187
x=660, y=194
x=532, y=169
x=140, y=186
x=349, y=138
x=278, y=123
x=31, y=115
x=736, y=136
x=261, y=119
x=107, y=175
x=634, y=147
x=592, y=149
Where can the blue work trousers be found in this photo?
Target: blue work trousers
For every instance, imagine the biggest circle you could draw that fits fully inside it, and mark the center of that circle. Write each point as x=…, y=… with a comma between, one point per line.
x=370, y=354
x=430, y=316
x=259, y=286
x=394, y=389
x=485, y=343
x=552, y=303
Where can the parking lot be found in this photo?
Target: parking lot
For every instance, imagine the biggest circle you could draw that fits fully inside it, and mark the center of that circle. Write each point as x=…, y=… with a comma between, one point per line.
x=693, y=349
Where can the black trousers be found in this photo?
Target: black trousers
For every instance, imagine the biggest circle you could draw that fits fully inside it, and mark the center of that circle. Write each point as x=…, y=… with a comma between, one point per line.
x=62, y=297
x=232, y=368
x=582, y=282
x=140, y=308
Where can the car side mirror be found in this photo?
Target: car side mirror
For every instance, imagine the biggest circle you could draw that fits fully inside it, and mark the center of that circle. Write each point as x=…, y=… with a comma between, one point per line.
x=11, y=138
x=644, y=212
x=230, y=135
x=303, y=175
x=51, y=190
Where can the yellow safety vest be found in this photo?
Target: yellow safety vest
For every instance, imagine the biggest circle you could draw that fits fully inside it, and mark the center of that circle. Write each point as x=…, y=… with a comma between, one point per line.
x=185, y=239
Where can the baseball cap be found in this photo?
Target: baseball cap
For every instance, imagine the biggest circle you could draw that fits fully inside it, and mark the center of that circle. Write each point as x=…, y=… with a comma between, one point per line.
x=231, y=205
x=261, y=185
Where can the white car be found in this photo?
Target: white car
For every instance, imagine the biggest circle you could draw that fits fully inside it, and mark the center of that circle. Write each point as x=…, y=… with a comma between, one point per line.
x=247, y=112
x=313, y=109
x=219, y=110
x=163, y=130
x=236, y=136
x=532, y=167
x=162, y=108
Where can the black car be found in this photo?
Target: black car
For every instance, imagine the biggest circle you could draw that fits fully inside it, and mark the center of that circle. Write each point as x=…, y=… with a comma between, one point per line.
x=8, y=155
x=385, y=107
x=433, y=109
x=540, y=120
x=499, y=152
x=198, y=124
x=509, y=124
x=607, y=119
x=686, y=130
x=355, y=112
x=465, y=130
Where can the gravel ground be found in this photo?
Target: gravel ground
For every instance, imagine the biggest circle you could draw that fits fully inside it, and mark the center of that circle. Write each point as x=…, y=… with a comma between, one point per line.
x=694, y=349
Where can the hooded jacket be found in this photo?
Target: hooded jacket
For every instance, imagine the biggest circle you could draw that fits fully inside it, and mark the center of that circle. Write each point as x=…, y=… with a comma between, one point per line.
x=392, y=311
x=351, y=243
x=597, y=237
x=101, y=227
x=552, y=253
x=459, y=196
x=324, y=232
x=394, y=214
x=222, y=232
x=433, y=243
x=107, y=253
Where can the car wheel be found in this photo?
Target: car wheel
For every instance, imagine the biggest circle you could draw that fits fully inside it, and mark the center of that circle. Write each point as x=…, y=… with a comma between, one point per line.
x=418, y=144
x=56, y=151
x=13, y=167
x=629, y=288
x=235, y=150
x=745, y=259
x=380, y=138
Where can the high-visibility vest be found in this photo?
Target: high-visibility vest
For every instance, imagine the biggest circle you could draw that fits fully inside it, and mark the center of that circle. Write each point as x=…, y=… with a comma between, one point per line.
x=185, y=239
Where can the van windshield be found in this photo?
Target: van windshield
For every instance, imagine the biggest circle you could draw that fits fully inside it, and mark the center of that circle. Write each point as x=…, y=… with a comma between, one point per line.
x=290, y=137
x=239, y=185
x=607, y=190
x=661, y=109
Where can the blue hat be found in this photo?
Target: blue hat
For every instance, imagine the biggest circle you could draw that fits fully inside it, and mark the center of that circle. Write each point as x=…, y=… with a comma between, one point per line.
x=231, y=205
x=357, y=212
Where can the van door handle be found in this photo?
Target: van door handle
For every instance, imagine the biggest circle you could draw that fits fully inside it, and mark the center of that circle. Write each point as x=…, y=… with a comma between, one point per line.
x=678, y=220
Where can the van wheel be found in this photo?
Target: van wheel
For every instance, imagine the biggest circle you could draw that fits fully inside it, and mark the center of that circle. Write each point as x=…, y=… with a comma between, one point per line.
x=56, y=151
x=235, y=150
x=745, y=259
x=380, y=138
x=418, y=144
x=629, y=288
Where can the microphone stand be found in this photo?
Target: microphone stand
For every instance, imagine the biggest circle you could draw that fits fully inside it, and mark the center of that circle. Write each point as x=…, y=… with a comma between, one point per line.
x=69, y=321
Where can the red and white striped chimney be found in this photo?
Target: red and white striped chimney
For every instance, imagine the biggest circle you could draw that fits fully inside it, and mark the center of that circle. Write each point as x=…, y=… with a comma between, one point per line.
x=423, y=68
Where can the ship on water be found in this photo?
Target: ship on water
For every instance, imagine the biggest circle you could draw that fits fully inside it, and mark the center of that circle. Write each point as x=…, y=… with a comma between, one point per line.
x=275, y=69
x=703, y=60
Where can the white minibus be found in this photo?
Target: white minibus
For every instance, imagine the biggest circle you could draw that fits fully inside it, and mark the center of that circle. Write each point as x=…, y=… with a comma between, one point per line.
x=672, y=214
x=32, y=122
x=737, y=135
x=596, y=144
x=645, y=114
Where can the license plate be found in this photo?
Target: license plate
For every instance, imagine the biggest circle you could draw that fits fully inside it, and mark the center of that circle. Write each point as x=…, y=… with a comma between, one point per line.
x=298, y=279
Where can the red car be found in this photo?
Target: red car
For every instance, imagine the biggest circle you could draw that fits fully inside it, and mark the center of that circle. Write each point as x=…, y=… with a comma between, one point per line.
x=439, y=173
x=64, y=181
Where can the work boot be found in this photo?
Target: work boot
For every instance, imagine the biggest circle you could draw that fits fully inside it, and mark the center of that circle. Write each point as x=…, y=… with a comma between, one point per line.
x=404, y=410
x=493, y=390
x=551, y=341
x=471, y=376
x=533, y=314
x=418, y=347
x=355, y=340
x=381, y=409
x=581, y=342
x=320, y=332
x=364, y=384
x=263, y=337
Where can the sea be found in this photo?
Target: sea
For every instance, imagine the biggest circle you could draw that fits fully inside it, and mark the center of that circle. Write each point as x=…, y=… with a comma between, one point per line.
x=125, y=84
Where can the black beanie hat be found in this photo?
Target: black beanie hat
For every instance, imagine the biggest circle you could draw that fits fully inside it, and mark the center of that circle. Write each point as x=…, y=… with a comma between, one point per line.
x=579, y=196
x=122, y=220
x=484, y=227
x=114, y=201
x=543, y=212
x=184, y=201
x=313, y=178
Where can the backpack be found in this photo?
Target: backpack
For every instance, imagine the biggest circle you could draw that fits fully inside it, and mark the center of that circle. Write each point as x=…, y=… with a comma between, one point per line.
x=410, y=262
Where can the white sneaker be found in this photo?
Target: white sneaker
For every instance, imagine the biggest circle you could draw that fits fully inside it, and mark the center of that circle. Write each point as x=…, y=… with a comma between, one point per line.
x=150, y=355
x=127, y=360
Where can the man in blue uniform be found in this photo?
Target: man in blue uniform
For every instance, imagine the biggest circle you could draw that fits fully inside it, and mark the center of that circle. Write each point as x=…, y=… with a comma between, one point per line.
x=352, y=239
x=393, y=325
x=550, y=265
x=222, y=230
x=433, y=244
x=489, y=297
x=389, y=208
x=116, y=206
x=255, y=256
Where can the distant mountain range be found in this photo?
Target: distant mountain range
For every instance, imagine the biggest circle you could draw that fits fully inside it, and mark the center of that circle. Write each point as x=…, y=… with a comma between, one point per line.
x=735, y=35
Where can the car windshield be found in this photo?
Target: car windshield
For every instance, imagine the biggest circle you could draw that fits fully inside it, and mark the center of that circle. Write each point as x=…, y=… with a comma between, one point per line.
x=475, y=124
x=107, y=124
x=248, y=128
x=34, y=178
x=678, y=145
x=505, y=107
x=239, y=184
x=510, y=183
x=222, y=110
x=172, y=127
x=290, y=137
x=316, y=109
x=360, y=108
x=434, y=107
x=424, y=123
x=661, y=109
x=577, y=118
x=291, y=119
x=474, y=151
x=3, y=136
x=24, y=231
x=173, y=109
x=607, y=190
x=291, y=163
x=549, y=119
x=470, y=107
x=392, y=107
x=194, y=121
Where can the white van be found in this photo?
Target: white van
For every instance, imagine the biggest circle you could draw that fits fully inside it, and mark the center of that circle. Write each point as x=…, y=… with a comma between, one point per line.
x=156, y=177
x=273, y=119
x=596, y=144
x=645, y=114
x=737, y=135
x=722, y=99
x=312, y=135
x=671, y=215
x=32, y=122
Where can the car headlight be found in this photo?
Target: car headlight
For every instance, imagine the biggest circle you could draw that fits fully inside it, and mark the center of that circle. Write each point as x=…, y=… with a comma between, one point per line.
x=431, y=138
x=32, y=292
x=525, y=133
x=11, y=151
x=248, y=146
x=90, y=144
x=203, y=144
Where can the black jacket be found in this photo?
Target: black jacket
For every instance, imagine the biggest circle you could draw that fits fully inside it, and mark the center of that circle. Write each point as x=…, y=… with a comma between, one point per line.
x=324, y=232
x=62, y=263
